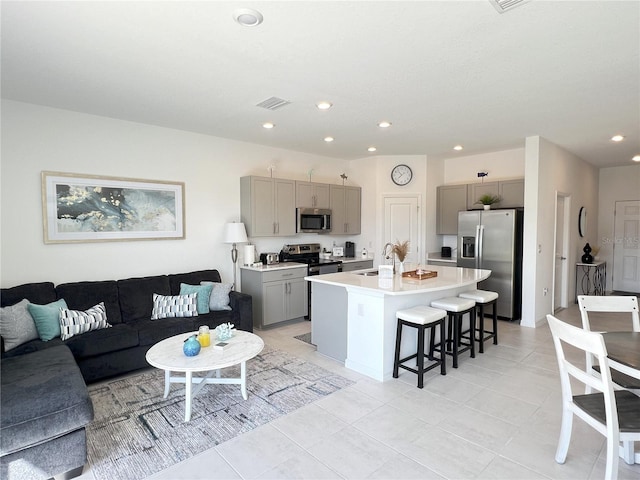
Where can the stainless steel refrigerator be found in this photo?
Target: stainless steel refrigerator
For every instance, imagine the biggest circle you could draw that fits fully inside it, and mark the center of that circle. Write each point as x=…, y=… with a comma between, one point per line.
x=492, y=240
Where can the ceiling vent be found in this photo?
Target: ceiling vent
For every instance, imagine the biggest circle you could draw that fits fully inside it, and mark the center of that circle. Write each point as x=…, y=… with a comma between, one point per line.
x=273, y=103
x=503, y=5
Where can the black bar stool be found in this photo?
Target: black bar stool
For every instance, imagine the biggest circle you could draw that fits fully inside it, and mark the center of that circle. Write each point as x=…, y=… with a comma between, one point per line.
x=484, y=298
x=422, y=318
x=457, y=308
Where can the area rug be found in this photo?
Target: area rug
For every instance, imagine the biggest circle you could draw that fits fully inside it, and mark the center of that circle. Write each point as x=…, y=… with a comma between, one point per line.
x=305, y=337
x=136, y=432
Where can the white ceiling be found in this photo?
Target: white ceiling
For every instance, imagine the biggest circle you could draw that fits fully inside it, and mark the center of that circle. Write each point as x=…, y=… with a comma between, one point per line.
x=444, y=73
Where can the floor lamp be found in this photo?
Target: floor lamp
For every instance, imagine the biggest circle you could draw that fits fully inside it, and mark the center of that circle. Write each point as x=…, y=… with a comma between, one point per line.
x=235, y=233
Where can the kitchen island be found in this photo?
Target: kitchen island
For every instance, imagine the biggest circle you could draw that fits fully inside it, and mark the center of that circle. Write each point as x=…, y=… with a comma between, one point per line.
x=354, y=313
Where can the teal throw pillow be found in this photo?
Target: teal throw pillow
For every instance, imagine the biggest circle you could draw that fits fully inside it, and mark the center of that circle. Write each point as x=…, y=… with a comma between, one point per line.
x=203, y=294
x=47, y=318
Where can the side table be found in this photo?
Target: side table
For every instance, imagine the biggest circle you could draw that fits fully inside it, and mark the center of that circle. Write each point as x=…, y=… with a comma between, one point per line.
x=591, y=277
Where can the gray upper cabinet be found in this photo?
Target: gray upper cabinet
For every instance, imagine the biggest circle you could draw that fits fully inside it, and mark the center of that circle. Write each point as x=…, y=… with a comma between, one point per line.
x=345, y=209
x=267, y=206
x=476, y=190
x=451, y=199
x=309, y=194
x=512, y=193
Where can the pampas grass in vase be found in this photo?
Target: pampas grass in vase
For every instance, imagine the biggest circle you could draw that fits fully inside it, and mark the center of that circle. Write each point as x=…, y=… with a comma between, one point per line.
x=401, y=249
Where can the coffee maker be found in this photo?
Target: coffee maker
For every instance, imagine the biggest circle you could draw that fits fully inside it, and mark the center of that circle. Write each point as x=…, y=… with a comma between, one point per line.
x=349, y=249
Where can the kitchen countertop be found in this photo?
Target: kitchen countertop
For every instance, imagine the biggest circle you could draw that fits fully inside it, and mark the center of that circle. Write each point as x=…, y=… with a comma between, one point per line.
x=348, y=259
x=275, y=266
x=438, y=256
x=448, y=278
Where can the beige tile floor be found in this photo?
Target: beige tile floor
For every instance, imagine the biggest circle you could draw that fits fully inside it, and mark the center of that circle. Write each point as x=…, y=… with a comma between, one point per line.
x=495, y=417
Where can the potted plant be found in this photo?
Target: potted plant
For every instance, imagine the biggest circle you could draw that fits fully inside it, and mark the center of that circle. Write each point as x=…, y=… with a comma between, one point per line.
x=487, y=200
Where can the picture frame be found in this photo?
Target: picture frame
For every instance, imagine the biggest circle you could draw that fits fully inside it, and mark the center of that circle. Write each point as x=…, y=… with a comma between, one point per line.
x=94, y=208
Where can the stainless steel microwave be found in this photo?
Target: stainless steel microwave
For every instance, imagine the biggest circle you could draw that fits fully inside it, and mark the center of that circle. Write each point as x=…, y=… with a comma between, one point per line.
x=313, y=220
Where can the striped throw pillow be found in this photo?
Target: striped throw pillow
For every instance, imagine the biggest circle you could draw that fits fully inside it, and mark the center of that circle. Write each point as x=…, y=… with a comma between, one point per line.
x=174, y=306
x=75, y=322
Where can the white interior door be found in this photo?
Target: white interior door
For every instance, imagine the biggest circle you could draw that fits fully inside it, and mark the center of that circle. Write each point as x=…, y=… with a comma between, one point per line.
x=402, y=222
x=560, y=276
x=626, y=247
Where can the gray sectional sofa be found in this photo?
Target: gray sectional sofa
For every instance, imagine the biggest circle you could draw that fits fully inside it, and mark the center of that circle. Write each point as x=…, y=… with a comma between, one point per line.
x=45, y=405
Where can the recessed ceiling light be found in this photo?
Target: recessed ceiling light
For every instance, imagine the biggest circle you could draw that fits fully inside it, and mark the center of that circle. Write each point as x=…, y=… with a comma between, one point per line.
x=636, y=158
x=458, y=147
x=328, y=139
x=268, y=125
x=372, y=149
x=247, y=17
x=384, y=124
x=617, y=138
x=324, y=105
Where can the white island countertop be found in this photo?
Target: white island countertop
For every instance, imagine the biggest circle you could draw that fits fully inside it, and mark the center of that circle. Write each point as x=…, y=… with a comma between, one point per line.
x=448, y=278
x=353, y=317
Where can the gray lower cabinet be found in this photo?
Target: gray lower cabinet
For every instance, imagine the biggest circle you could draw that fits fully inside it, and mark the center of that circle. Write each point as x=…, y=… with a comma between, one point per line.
x=441, y=263
x=358, y=265
x=277, y=295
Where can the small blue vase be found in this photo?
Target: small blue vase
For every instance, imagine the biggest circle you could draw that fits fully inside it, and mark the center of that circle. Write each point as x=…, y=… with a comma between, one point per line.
x=191, y=346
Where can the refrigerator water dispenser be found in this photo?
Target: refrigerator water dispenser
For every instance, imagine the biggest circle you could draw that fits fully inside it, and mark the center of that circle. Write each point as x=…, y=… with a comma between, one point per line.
x=468, y=247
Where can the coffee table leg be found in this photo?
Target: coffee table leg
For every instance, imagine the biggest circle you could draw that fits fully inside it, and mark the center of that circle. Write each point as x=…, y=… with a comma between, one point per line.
x=167, y=382
x=187, y=396
x=243, y=379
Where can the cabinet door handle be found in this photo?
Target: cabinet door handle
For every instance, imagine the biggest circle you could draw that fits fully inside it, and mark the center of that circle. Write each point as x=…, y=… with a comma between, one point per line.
x=287, y=274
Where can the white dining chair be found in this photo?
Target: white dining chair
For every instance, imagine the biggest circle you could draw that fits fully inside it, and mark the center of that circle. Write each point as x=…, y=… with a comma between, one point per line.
x=611, y=304
x=613, y=413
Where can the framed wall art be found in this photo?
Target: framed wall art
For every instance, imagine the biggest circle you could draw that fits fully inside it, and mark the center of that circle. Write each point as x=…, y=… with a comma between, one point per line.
x=91, y=208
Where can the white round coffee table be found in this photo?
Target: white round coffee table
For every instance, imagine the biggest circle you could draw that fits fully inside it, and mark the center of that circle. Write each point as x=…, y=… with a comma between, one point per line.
x=168, y=356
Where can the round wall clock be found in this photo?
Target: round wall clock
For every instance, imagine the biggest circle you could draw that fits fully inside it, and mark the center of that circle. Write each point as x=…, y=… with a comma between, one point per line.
x=401, y=175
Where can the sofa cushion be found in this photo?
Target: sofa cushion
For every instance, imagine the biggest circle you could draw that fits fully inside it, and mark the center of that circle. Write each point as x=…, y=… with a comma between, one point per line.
x=47, y=318
x=84, y=295
x=174, y=306
x=203, y=292
x=136, y=296
x=219, y=299
x=192, y=278
x=41, y=293
x=41, y=403
x=98, y=342
x=76, y=322
x=17, y=325
x=32, y=346
x=151, y=332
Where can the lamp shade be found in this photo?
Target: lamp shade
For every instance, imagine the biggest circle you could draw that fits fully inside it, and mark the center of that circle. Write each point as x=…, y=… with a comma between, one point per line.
x=235, y=233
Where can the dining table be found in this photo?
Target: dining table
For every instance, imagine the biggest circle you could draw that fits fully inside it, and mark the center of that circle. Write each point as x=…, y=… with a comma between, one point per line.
x=623, y=352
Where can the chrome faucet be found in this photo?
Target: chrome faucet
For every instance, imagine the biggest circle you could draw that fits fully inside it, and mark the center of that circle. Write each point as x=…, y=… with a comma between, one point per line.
x=389, y=255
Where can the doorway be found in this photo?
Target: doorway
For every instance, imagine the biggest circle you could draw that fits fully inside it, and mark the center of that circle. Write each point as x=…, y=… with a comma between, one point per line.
x=561, y=264
x=626, y=247
x=402, y=222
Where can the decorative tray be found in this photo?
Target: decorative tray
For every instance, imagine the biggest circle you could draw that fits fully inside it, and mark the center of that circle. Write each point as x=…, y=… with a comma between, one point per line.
x=420, y=276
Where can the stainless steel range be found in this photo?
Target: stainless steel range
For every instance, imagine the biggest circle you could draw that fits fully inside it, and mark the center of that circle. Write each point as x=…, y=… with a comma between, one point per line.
x=309, y=253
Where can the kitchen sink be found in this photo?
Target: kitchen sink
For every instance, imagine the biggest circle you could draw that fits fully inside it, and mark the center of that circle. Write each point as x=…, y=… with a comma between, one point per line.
x=367, y=274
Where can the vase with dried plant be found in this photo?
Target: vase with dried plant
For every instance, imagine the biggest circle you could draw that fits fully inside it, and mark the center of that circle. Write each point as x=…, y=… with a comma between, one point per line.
x=401, y=249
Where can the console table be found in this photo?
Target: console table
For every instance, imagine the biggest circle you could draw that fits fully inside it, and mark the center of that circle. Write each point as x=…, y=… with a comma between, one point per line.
x=591, y=278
